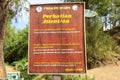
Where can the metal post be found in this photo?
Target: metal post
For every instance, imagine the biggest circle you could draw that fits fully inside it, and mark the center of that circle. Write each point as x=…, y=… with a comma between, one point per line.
x=56, y=77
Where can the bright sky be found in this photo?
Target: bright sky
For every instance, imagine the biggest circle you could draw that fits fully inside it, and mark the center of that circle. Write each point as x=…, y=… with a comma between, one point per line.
x=23, y=21
x=44, y=1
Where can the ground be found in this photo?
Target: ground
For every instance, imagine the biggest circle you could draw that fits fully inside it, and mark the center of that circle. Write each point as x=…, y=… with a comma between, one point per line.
x=109, y=72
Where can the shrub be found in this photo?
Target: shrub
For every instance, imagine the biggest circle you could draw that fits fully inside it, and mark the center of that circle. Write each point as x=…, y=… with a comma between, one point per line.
x=100, y=46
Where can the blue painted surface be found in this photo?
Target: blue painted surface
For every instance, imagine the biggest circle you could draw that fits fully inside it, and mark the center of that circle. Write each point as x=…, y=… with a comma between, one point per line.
x=13, y=76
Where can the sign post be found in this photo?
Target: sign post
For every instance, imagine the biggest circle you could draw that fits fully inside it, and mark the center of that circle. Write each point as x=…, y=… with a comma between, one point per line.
x=57, y=39
x=56, y=77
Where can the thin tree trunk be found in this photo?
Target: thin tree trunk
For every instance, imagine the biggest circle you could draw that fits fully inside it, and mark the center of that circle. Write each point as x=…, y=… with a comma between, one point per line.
x=2, y=66
x=3, y=17
x=86, y=4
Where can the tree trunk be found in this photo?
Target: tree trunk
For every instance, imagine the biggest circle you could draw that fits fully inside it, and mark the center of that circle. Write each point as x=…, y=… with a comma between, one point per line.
x=86, y=4
x=2, y=66
x=3, y=13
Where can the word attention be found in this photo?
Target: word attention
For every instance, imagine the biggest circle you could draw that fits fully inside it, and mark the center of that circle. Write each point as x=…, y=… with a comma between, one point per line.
x=56, y=18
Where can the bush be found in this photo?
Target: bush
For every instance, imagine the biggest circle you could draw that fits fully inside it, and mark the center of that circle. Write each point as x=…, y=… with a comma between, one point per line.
x=76, y=77
x=64, y=77
x=100, y=46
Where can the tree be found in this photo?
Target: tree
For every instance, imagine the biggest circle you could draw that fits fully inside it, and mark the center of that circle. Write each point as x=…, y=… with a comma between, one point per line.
x=108, y=10
x=8, y=9
x=16, y=49
x=15, y=44
x=100, y=46
x=3, y=16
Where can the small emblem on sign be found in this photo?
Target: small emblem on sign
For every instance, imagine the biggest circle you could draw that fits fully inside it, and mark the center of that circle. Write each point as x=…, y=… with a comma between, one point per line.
x=39, y=9
x=75, y=7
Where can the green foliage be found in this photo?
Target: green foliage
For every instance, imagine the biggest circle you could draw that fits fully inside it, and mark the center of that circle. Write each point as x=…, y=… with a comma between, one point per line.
x=100, y=6
x=16, y=49
x=24, y=74
x=21, y=65
x=64, y=77
x=114, y=14
x=43, y=77
x=15, y=44
x=100, y=46
x=108, y=9
x=76, y=77
x=74, y=0
x=15, y=7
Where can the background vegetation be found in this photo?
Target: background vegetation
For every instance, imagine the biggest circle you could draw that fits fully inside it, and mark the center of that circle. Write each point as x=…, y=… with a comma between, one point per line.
x=100, y=45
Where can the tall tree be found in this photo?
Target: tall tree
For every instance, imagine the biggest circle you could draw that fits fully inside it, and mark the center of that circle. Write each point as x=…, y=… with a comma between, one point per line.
x=8, y=8
x=99, y=45
x=3, y=16
x=15, y=44
x=108, y=10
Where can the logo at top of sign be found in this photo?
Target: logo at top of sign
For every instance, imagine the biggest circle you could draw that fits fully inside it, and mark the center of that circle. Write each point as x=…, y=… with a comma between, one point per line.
x=39, y=9
x=75, y=7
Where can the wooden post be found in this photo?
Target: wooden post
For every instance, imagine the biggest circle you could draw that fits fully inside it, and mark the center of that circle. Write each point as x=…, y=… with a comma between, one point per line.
x=56, y=77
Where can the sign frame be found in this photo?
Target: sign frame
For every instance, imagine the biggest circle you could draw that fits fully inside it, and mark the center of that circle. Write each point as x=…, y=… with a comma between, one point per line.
x=84, y=37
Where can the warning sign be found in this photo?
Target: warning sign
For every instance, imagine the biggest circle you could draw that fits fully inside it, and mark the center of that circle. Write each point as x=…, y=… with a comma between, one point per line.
x=56, y=40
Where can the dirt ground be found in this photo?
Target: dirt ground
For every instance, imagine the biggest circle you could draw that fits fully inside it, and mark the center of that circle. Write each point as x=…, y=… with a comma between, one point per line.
x=109, y=72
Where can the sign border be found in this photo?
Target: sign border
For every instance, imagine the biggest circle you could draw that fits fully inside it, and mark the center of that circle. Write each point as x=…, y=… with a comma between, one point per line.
x=84, y=37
